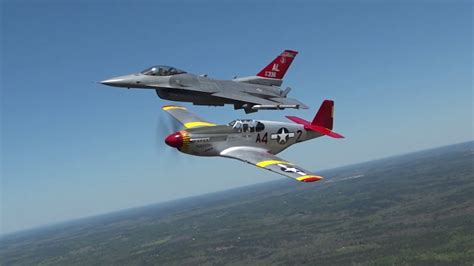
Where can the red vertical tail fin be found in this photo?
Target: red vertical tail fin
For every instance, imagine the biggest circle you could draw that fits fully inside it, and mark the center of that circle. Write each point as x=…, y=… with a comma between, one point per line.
x=278, y=67
x=324, y=116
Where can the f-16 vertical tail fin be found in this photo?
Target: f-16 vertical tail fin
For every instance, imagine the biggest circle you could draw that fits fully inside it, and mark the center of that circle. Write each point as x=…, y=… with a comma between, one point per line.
x=272, y=75
x=278, y=67
x=322, y=122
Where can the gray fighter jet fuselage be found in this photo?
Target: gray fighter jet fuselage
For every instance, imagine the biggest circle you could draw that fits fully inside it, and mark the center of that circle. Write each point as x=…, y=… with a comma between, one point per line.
x=249, y=93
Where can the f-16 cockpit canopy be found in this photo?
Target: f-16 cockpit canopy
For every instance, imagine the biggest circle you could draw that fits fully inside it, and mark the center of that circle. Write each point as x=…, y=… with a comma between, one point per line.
x=247, y=125
x=160, y=70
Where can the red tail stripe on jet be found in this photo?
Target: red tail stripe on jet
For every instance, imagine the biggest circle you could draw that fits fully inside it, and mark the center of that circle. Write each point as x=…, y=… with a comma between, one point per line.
x=278, y=67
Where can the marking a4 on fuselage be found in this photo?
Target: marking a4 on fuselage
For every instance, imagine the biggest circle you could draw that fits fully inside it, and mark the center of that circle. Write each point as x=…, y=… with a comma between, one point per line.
x=263, y=139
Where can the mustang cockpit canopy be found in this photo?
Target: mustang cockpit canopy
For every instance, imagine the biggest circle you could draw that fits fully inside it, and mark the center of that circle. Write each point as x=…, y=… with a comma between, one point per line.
x=160, y=70
x=247, y=125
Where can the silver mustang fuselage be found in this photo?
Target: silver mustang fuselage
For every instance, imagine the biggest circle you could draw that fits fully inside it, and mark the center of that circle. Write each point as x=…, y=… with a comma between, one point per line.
x=273, y=137
x=255, y=142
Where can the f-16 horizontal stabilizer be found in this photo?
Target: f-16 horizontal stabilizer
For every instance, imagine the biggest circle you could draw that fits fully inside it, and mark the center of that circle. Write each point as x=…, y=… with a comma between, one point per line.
x=322, y=122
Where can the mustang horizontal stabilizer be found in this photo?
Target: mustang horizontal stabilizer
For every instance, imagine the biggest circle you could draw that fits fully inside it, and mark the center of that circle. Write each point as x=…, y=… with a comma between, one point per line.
x=261, y=158
x=322, y=122
x=188, y=119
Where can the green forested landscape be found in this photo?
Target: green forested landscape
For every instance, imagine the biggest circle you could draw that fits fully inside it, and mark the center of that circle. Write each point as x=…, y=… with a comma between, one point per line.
x=414, y=209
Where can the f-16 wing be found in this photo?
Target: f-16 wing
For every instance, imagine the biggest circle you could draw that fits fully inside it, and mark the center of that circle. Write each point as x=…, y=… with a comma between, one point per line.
x=290, y=101
x=188, y=119
x=242, y=97
x=262, y=103
x=261, y=158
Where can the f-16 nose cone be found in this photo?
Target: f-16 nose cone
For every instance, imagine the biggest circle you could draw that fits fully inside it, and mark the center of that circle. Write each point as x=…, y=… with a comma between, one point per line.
x=175, y=140
x=111, y=82
x=126, y=81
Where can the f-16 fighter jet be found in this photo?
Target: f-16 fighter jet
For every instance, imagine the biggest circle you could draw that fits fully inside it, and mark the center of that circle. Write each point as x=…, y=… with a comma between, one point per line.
x=252, y=141
x=249, y=93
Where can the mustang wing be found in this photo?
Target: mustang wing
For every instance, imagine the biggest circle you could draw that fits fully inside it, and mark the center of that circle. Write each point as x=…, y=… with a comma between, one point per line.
x=188, y=119
x=261, y=158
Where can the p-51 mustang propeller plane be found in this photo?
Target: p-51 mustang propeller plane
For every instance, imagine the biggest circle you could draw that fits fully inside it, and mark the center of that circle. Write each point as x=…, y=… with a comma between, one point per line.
x=252, y=141
x=249, y=93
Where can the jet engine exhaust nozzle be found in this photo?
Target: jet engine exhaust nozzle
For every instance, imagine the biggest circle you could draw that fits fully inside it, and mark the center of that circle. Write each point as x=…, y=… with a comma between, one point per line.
x=175, y=140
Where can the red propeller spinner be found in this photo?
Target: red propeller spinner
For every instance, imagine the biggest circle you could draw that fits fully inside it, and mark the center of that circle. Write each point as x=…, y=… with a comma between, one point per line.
x=175, y=140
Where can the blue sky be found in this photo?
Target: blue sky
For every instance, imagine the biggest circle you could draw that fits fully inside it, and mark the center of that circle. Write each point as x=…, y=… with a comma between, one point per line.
x=400, y=75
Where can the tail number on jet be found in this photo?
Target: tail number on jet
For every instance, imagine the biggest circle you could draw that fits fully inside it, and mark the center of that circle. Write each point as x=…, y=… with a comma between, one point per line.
x=270, y=74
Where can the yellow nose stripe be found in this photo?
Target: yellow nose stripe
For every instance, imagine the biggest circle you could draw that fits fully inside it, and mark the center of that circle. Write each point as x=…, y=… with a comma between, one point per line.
x=270, y=162
x=198, y=124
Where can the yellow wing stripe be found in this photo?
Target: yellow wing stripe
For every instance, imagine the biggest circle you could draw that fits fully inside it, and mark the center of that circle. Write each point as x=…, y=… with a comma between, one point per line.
x=270, y=162
x=198, y=124
x=304, y=177
x=171, y=107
